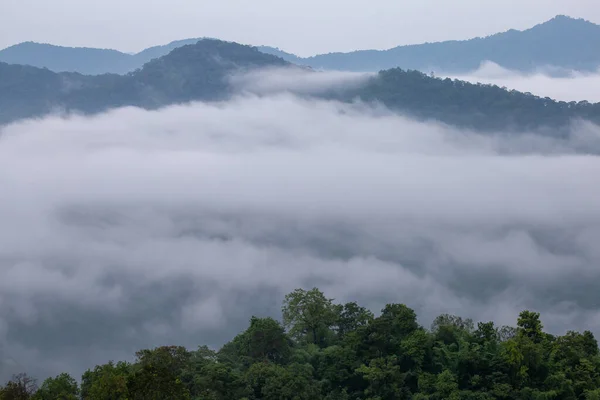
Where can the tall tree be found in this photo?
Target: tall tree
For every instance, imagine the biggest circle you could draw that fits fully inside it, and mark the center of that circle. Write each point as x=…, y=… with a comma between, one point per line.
x=62, y=387
x=350, y=317
x=157, y=374
x=20, y=387
x=108, y=381
x=264, y=340
x=529, y=325
x=308, y=313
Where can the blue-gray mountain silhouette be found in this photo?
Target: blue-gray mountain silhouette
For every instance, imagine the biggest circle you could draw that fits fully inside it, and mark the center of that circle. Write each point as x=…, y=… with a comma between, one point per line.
x=88, y=61
x=562, y=42
x=200, y=72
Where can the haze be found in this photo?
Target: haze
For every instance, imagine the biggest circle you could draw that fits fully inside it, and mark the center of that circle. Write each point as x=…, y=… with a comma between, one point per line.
x=304, y=28
x=569, y=86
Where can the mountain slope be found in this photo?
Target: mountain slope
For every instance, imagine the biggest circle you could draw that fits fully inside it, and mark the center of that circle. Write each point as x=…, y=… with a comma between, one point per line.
x=191, y=72
x=201, y=71
x=28, y=91
x=63, y=59
x=198, y=72
x=562, y=42
x=481, y=107
x=294, y=59
x=89, y=61
x=151, y=53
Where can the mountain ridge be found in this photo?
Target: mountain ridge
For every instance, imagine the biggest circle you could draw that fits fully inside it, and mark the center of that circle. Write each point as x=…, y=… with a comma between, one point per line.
x=190, y=72
x=576, y=39
x=522, y=50
x=85, y=60
x=200, y=72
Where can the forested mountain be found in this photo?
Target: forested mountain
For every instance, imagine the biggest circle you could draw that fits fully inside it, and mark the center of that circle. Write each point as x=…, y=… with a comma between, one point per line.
x=330, y=351
x=191, y=72
x=200, y=72
x=294, y=59
x=561, y=42
x=478, y=106
x=84, y=60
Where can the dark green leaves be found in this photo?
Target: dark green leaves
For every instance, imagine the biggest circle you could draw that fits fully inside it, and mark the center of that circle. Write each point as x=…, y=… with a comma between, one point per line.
x=343, y=352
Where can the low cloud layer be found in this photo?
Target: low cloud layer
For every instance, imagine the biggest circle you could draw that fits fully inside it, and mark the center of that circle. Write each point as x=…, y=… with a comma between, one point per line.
x=135, y=229
x=298, y=80
x=547, y=82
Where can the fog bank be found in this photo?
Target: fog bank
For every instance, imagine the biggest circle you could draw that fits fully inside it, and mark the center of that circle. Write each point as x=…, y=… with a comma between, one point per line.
x=138, y=228
x=546, y=82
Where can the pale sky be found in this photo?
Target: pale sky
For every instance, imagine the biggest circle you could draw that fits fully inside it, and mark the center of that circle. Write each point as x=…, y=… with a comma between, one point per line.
x=303, y=27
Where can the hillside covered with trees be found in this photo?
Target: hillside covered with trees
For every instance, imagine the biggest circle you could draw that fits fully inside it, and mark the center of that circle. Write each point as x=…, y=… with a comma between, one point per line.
x=324, y=350
x=200, y=72
x=191, y=72
x=478, y=106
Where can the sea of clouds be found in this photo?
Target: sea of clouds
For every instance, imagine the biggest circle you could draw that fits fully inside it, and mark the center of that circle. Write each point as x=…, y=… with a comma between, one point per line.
x=562, y=85
x=134, y=228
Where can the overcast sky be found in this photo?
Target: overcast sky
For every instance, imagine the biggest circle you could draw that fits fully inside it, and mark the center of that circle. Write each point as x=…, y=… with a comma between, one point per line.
x=304, y=27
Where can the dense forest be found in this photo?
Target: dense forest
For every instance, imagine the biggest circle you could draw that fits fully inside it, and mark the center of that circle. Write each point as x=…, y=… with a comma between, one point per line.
x=482, y=107
x=324, y=350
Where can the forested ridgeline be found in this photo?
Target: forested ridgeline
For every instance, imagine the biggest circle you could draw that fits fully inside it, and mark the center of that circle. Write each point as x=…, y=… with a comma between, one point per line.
x=324, y=350
x=201, y=72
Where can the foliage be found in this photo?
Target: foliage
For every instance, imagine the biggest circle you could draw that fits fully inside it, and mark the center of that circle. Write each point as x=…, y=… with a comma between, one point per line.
x=63, y=387
x=20, y=387
x=334, y=351
x=108, y=381
x=308, y=315
x=265, y=340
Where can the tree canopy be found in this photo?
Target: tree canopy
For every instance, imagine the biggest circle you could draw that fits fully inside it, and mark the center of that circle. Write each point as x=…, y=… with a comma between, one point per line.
x=329, y=351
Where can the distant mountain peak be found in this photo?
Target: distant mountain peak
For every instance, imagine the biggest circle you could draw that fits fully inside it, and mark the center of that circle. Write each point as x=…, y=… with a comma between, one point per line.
x=563, y=42
x=565, y=20
x=562, y=17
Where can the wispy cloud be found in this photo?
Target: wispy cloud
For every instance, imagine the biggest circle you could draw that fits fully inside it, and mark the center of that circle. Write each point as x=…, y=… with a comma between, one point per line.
x=296, y=80
x=550, y=82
